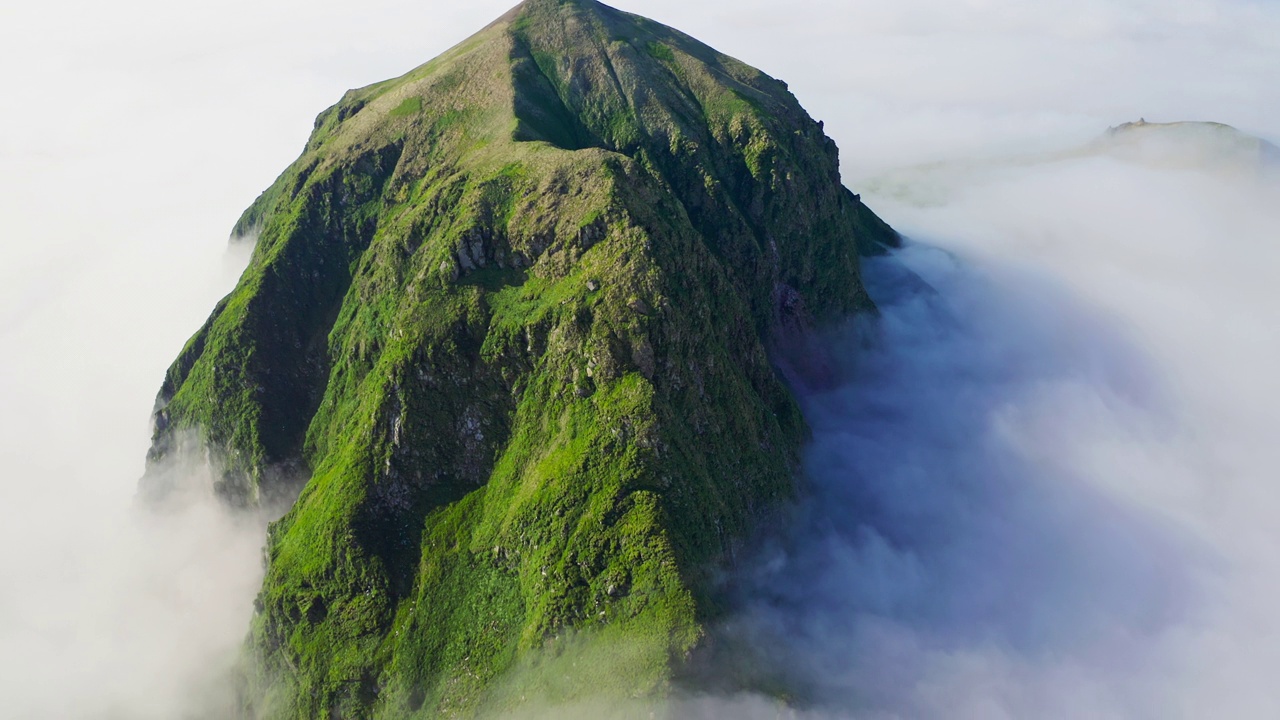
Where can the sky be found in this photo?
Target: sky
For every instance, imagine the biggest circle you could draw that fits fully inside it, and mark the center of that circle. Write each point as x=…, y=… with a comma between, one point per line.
x=135, y=132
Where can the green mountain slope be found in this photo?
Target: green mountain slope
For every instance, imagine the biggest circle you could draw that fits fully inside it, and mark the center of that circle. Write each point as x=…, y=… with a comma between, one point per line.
x=509, y=317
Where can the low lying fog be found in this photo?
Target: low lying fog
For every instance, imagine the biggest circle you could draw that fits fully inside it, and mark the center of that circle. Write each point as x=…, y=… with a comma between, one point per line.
x=1046, y=489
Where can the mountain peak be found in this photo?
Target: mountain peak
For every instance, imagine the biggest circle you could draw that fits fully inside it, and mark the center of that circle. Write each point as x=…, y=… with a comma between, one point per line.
x=508, y=326
x=575, y=73
x=534, y=6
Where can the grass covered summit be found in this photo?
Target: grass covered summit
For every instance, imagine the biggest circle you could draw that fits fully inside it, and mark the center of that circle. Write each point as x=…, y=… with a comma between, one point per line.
x=509, y=319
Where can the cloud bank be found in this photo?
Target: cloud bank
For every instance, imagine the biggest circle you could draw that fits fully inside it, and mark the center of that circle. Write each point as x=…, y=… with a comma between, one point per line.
x=1045, y=489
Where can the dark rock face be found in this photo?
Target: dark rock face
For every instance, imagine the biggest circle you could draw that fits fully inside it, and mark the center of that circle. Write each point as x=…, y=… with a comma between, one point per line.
x=508, y=317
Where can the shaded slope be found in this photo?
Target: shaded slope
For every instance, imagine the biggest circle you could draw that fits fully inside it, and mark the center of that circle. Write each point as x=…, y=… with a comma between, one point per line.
x=508, y=318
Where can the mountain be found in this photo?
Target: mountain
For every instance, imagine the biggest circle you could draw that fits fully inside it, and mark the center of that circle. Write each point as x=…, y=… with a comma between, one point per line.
x=1206, y=146
x=508, y=325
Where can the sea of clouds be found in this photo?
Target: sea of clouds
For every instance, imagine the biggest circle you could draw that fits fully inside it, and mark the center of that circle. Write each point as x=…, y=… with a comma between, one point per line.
x=1045, y=490
x=1046, y=487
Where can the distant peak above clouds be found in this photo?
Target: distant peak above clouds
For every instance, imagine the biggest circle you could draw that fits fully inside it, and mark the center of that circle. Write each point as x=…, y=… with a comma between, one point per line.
x=1209, y=146
x=1213, y=148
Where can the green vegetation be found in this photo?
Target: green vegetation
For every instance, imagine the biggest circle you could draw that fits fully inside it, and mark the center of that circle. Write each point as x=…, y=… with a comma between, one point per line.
x=512, y=333
x=660, y=51
x=410, y=106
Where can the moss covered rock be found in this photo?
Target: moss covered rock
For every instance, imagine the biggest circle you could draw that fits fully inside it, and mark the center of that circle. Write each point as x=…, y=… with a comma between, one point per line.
x=508, y=325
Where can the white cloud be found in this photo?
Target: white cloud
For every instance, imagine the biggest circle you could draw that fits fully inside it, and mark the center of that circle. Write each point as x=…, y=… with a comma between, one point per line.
x=1046, y=491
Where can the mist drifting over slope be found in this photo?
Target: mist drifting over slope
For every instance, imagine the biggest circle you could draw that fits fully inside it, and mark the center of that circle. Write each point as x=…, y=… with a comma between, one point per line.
x=1047, y=489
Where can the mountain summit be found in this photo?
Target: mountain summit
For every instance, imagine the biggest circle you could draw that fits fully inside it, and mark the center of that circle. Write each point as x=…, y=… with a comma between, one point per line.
x=508, y=326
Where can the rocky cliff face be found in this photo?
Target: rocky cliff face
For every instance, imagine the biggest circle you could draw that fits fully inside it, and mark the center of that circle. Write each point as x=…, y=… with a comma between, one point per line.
x=509, y=319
